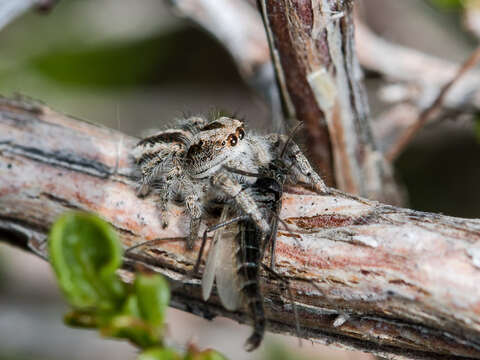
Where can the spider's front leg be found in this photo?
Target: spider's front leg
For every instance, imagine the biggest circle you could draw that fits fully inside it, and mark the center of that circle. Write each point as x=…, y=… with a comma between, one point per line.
x=194, y=209
x=300, y=168
x=162, y=202
x=224, y=181
x=193, y=192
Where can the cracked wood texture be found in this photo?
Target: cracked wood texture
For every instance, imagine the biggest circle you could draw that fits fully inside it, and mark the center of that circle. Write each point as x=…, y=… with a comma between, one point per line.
x=364, y=275
x=313, y=50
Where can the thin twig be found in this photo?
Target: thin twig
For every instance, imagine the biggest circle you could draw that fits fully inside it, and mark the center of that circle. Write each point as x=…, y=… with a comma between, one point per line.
x=428, y=113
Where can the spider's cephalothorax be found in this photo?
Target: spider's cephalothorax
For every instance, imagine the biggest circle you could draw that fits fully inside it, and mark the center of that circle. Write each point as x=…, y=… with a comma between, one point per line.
x=218, y=142
x=190, y=164
x=180, y=164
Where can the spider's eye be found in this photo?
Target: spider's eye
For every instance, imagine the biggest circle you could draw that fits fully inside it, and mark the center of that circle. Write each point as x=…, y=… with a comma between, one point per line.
x=223, y=143
x=241, y=133
x=232, y=139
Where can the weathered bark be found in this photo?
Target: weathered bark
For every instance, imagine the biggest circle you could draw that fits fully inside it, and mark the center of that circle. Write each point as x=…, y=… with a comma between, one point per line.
x=363, y=274
x=321, y=82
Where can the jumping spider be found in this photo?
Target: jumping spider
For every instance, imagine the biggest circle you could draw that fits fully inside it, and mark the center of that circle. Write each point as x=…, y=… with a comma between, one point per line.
x=238, y=248
x=190, y=164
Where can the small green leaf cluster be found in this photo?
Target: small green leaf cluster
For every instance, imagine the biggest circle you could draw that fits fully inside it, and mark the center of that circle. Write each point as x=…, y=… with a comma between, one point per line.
x=85, y=254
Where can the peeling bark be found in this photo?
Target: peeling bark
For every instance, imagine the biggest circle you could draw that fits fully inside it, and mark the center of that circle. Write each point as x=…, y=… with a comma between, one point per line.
x=363, y=274
x=314, y=40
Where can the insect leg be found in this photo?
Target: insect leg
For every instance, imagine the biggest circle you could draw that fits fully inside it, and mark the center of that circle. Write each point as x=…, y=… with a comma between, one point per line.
x=273, y=243
x=151, y=243
x=301, y=169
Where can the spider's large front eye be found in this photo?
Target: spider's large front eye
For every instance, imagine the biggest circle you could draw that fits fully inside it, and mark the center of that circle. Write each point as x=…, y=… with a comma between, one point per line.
x=241, y=133
x=232, y=139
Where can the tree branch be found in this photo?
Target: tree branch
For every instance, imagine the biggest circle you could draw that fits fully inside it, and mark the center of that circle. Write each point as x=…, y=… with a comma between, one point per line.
x=315, y=54
x=365, y=275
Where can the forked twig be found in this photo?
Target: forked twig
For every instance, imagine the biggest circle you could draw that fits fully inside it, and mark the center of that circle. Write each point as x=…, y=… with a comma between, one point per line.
x=428, y=113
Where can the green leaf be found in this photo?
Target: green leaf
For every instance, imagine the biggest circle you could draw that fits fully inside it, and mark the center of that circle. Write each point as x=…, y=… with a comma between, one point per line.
x=153, y=296
x=85, y=253
x=142, y=317
x=159, y=354
x=134, y=329
x=130, y=307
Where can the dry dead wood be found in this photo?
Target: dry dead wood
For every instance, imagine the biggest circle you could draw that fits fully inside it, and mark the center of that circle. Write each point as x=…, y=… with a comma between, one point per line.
x=321, y=83
x=365, y=275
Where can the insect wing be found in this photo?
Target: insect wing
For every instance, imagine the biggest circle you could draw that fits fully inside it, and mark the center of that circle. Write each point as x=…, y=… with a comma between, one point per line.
x=221, y=265
x=212, y=259
x=228, y=281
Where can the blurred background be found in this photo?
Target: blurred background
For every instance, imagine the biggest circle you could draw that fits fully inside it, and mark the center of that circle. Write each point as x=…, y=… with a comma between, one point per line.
x=135, y=65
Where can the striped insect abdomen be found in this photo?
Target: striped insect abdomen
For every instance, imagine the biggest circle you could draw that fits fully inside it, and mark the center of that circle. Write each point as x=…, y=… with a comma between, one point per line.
x=249, y=260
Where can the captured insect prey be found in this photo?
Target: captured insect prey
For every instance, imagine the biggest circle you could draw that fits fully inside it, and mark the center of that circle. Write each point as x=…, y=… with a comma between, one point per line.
x=210, y=164
x=233, y=262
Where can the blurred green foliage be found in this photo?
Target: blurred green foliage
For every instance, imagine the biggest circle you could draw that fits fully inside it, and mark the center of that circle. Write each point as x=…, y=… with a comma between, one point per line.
x=177, y=56
x=85, y=253
x=448, y=4
x=477, y=128
x=278, y=351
